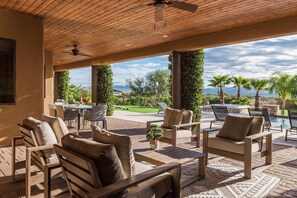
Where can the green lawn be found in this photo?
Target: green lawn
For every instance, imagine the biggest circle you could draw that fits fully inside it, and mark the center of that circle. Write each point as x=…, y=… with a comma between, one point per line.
x=138, y=109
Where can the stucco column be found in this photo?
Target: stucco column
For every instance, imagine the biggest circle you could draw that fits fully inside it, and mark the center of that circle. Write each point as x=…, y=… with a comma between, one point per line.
x=176, y=80
x=94, y=83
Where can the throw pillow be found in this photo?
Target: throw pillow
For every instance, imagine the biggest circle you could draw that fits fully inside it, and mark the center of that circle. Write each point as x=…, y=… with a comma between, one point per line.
x=123, y=146
x=172, y=117
x=235, y=127
x=187, y=118
x=106, y=160
x=58, y=125
x=256, y=127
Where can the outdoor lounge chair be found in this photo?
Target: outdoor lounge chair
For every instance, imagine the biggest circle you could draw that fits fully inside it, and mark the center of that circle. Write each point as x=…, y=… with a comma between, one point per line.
x=265, y=113
x=86, y=177
x=39, y=138
x=220, y=113
x=240, y=139
x=179, y=127
x=293, y=124
x=163, y=106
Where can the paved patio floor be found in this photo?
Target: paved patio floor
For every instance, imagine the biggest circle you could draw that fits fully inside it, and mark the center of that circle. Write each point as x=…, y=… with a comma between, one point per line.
x=284, y=158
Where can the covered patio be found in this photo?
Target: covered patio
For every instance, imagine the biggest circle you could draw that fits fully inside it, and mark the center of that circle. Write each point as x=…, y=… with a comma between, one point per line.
x=45, y=33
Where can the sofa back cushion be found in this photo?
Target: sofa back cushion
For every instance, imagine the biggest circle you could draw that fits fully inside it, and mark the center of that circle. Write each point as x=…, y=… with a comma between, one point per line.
x=235, y=127
x=172, y=117
x=107, y=162
x=122, y=144
x=58, y=125
x=43, y=133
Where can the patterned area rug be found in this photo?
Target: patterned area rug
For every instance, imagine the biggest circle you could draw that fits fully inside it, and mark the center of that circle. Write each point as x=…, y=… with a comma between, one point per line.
x=226, y=180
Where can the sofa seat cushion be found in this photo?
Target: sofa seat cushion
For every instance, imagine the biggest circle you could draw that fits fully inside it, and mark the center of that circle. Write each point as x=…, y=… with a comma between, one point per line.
x=43, y=133
x=179, y=134
x=58, y=125
x=122, y=144
x=235, y=127
x=172, y=117
x=106, y=160
x=156, y=187
x=230, y=145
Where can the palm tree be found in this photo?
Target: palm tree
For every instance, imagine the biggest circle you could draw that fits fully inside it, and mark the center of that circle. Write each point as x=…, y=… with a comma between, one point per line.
x=220, y=82
x=239, y=82
x=282, y=84
x=258, y=85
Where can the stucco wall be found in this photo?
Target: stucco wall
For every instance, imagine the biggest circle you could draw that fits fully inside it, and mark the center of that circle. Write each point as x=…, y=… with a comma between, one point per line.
x=28, y=33
x=49, y=89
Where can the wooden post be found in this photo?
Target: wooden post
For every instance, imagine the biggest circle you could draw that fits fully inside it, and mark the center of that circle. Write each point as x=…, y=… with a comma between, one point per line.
x=176, y=80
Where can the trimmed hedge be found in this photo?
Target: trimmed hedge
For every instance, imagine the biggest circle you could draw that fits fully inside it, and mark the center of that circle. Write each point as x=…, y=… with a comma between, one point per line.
x=105, y=87
x=191, y=80
x=63, y=84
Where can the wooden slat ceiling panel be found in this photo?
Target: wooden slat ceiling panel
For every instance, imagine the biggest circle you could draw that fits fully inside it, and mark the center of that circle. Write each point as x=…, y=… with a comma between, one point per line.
x=103, y=27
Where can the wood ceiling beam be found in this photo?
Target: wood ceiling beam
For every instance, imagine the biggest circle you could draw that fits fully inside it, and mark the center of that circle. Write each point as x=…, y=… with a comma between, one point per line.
x=249, y=33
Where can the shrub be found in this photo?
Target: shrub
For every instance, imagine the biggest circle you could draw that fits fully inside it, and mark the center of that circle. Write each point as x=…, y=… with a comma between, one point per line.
x=63, y=79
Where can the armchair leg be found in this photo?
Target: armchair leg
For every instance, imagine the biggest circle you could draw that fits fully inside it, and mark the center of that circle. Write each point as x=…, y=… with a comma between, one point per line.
x=268, y=159
x=248, y=158
x=198, y=135
x=28, y=174
x=47, y=182
x=286, y=136
x=204, y=147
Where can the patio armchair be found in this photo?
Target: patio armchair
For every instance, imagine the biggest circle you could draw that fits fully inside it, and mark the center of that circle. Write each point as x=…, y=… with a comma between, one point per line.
x=96, y=114
x=293, y=124
x=179, y=127
x=163, y=106
x=265, y=113
x=87, y=167
x=66, y=114
x=39, y=137
x=220, y=113
x=240, y=138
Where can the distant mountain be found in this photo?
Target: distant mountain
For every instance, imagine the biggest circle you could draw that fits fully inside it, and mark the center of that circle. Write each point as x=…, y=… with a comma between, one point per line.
x=211, y=90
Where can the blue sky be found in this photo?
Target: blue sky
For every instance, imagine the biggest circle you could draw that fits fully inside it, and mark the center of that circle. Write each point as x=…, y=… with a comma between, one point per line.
x=257, y=59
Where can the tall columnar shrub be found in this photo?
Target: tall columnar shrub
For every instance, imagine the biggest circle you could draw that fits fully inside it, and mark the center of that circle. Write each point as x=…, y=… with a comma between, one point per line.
x=63, y=84
x=105, y=87
x=170, y=75
x=191, y=80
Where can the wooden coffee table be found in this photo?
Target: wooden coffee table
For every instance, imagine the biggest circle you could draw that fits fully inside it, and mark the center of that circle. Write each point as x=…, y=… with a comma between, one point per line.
x=173, y=154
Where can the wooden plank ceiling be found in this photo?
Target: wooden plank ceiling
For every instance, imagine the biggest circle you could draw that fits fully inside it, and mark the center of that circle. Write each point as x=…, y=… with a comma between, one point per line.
x=101, y=28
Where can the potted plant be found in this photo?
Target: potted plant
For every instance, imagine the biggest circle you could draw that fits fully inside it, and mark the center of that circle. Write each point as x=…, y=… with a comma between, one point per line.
x=153, y=134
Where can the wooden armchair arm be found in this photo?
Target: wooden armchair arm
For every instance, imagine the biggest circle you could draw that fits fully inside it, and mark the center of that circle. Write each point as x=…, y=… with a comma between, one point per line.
x=136, y=179
x=259, y=135
x=40, y=148
x=207, y=131
x=187, y=124
x=148, y=123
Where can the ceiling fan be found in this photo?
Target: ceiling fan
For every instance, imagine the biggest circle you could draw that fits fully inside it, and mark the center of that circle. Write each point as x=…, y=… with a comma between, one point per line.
x=76, y=52
x=161, y=4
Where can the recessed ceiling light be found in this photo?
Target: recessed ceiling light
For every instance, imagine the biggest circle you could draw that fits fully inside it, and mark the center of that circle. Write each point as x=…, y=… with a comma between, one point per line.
x=165, y=36
x=127, y=45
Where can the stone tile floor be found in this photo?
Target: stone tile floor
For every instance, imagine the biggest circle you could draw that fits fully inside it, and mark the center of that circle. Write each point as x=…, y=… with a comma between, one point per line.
x=284, y=164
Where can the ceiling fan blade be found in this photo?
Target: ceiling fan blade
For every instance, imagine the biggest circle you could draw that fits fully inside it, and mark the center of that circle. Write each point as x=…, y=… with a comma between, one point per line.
x=83, y=54
x=159, y=13
x=184, y=6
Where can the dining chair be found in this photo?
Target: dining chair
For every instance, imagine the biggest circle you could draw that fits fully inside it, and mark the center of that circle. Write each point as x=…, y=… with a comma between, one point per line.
x=66, y=114
x=96, y=114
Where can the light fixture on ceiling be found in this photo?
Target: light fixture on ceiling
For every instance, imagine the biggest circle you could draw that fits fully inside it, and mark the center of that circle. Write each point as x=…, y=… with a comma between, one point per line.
x=165, y=36
x=127, y=45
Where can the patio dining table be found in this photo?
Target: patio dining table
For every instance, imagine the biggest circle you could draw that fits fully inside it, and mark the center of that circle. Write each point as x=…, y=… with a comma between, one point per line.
x=80, y=109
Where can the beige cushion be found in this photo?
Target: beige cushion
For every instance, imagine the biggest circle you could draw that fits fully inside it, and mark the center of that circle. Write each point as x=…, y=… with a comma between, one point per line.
x=58, y=125
x=181, y=133
x=123, y=147
x=230, y=145
x=107, y=162
x=235, y=127
x=43, y=133
x=187, y=118
x=172, y=117
x=256, y=127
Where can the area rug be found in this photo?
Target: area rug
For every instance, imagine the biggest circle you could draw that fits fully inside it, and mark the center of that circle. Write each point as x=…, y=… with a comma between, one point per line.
x=226, y=181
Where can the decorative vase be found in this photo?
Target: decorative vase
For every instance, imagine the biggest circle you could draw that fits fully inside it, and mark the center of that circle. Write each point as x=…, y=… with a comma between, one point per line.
x=155, y=144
